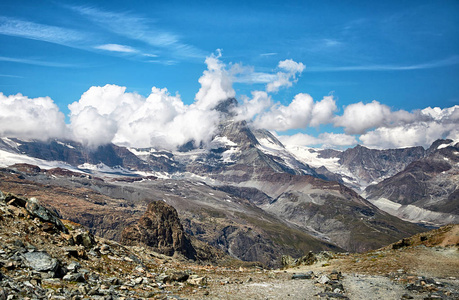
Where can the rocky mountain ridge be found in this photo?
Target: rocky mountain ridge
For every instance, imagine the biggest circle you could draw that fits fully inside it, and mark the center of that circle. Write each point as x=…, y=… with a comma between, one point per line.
x=426, y=190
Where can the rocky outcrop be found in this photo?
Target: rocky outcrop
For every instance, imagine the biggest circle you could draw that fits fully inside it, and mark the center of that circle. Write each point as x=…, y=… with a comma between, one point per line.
x=159, y=228
x=35, y=210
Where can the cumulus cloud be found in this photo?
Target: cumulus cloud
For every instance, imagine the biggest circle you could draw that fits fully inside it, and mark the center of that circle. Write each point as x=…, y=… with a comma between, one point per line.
x=92, y=128
x=216, y=84
x=160, y=120
x=359, y=117
x=326, y=140
x=27, y=118
x=425, y=127
x=108, y=113
x=249, y=108
x=287, y=76
x=300, y=113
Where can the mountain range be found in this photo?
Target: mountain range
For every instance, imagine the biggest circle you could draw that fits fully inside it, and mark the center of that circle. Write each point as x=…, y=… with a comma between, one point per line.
x=245, y=192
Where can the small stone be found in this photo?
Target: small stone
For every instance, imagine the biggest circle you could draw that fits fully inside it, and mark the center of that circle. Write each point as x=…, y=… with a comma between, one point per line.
x=83, y=289
x=73, y=267
x=75, y=277
x=197, y=280
x=179, y=276
x=301, y=276
x=407, y=296
x=323, y=279
x=104, y=249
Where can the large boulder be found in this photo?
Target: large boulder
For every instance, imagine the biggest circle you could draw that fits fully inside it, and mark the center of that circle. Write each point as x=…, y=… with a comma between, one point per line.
x=44, y=214
x=40, y=261
x=159, y=228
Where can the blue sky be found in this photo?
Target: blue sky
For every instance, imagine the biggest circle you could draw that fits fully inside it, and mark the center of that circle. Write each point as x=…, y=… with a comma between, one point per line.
x=403, y=54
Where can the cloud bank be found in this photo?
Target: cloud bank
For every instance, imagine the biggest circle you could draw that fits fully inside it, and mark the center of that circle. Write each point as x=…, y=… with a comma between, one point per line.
x=26, y=118
x=109, y=114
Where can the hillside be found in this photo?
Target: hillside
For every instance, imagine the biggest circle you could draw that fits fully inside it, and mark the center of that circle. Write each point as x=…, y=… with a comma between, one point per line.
x=40, y=259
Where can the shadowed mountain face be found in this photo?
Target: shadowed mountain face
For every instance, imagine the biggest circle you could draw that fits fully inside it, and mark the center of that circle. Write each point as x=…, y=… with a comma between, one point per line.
x=358, y=167
x=244, y=192
x=373, y=165
x=426, y=190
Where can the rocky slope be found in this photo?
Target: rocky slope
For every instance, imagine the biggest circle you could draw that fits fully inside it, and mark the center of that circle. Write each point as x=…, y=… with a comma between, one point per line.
x=209, y=215
x=38, y=260
x=426, y=190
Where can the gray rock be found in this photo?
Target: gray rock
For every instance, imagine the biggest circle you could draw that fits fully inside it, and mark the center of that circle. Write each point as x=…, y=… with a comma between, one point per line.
x=105, y=249
x=44, y=214
x=197, y=280
x=84, y=238
x=73, y=267
x=40, y=261
x=75, y=277
x=323, y=279
x=332, y=296
x=303, y=276
x=163, y=278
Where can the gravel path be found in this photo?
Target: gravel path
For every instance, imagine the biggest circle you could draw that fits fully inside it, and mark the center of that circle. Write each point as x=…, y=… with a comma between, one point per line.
x=281, y=286
x=372, y=287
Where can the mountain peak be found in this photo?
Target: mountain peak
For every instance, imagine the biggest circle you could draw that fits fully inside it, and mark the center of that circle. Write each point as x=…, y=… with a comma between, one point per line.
x=227, y=106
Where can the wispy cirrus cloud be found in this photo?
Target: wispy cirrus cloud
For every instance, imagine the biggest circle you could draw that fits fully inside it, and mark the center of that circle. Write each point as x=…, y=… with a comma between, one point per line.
x=453, y=60
x=116, y=48
x=41, y=32
x=10, y=76
x=268, y=54
x=140, y=29
x=38, y=62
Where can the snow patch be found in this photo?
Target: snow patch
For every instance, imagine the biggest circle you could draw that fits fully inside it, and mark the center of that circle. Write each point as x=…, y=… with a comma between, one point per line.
x=8, y=159
x=221, y=142
x=228, y=155
x=11, y=143
x=311, y=157
x=140, y=152
x=65, y=145
x=270, y=144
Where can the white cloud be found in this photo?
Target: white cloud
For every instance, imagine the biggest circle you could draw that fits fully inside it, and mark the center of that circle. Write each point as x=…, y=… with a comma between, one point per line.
x=38, y=62
x=425, y=127
x=216, y=84
x=326, y=140
x=161, y=120
x=249, y=108
x=449, y=61
x=92, y=128
x=116, y=48
x=287, y=76
x=358, y=117
x=322, y=112
x=300, y=113
x=27, y=118
x=47, y=33
x=140, y=29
